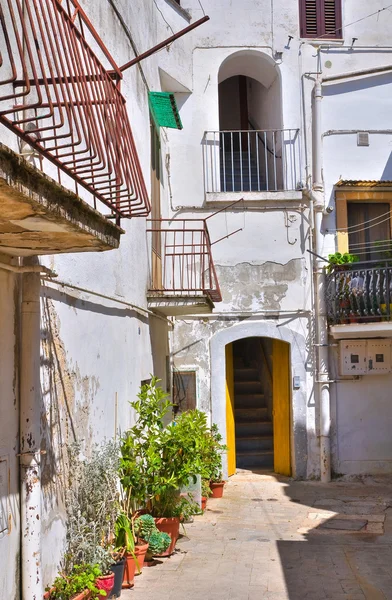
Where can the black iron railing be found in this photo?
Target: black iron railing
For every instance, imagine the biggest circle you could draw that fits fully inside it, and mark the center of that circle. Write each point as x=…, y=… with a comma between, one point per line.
x=360, y=292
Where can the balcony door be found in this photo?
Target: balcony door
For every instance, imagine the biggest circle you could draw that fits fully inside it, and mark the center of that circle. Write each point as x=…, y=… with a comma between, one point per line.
x=156, y=243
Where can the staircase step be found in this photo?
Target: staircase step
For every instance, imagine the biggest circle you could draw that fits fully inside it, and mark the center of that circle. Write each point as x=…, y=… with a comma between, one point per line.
x=249, y=415
x=254, y=444
x=249, y=401
x=259, y=460
x=248, y=387
x=253, y=428
x=245, y=374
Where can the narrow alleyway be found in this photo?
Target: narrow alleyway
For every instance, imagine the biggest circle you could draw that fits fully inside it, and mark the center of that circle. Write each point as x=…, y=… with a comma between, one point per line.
x=272, y=538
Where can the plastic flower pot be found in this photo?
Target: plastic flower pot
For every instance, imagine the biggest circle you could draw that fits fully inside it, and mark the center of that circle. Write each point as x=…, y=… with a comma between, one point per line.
x=106, y=583
x=170, y=525
x=140, y=551
x=217, y=489
x=118, y=570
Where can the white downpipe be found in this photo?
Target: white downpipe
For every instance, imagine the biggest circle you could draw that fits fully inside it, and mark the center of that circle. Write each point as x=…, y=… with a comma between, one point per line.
x=322, y=369
x=30, y=439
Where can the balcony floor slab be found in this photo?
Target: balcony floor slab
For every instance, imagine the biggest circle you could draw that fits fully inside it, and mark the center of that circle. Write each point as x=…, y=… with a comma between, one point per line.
x=175, y=306
x=351, y=331
x=253, y=197
x=39, y=216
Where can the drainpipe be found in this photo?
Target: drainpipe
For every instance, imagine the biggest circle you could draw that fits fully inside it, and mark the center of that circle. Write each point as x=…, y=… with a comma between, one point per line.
x=30, y=439
x=322, y=363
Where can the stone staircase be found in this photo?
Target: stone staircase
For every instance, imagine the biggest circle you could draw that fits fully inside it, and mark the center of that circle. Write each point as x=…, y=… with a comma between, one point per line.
x=231, y=173
x=254, y=433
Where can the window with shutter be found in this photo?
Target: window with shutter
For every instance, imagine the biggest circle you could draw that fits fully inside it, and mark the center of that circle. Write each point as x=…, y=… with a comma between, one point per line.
x=321, y=19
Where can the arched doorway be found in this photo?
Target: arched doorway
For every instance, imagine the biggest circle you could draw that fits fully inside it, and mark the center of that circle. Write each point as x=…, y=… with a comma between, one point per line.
x=296, y=346
x=258, y=405
x=252, y=142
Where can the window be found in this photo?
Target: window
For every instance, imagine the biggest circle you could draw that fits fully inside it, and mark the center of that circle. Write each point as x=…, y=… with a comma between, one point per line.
x=364, y=226
x=320, y=19
x=184, y=391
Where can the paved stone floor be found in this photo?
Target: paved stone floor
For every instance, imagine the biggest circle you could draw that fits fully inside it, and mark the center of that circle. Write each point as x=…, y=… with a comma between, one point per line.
x=271, y=538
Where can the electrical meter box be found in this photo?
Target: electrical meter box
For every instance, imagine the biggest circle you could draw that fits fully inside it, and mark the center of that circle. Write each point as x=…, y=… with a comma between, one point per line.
x=353, y=357
x=365, y=357
x=379, y=356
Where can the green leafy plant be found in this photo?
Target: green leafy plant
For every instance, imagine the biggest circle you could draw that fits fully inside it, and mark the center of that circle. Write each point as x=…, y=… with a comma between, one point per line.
x=205, y=488
x=158, y=542
x=144, y=527
x=82, y=577
x=213, y=456
x=157, y=461
x=340, y=259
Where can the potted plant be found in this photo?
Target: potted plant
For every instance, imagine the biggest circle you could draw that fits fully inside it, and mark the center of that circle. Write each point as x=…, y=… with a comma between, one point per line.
x=92, y=508
x=158, y=461
x=156, y=542
x=79, y=584
x=125, y=547
x=213, y=462
x=338, y=261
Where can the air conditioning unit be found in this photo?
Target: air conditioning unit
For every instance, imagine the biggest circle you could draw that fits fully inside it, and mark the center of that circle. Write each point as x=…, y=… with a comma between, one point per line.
x=365, y=357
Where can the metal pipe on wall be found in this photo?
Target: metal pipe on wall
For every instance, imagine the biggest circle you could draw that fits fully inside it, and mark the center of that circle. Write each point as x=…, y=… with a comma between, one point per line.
x=321, y=379
x=30, y=439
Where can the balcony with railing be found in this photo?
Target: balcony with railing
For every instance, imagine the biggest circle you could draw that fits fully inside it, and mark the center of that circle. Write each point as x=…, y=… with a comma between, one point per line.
x=252, y=161
x=359, y=299
x=60, y=95
x=183, y=279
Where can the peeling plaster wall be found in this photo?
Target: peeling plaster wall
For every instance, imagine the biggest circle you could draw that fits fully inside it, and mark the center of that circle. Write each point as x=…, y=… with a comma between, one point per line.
x=9, y=438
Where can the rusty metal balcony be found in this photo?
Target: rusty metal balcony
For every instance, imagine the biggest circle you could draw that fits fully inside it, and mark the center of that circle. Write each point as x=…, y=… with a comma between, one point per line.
x=183, y=277
x=359, y=299
x=60, y=93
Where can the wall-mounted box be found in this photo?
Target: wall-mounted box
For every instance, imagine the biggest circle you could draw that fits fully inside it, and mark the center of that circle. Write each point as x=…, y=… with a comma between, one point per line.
x=365, y=357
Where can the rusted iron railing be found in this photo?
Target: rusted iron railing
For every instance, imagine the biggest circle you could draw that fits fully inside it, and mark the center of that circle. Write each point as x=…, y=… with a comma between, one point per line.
x=182, y=261
x=57, y=95
x=360, y=293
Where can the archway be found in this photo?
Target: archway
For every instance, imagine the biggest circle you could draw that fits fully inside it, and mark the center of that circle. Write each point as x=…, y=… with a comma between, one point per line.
x=250, y=117
x=295, y=344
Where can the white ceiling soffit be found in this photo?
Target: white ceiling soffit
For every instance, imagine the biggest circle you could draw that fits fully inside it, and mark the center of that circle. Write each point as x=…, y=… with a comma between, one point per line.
x=170, y=84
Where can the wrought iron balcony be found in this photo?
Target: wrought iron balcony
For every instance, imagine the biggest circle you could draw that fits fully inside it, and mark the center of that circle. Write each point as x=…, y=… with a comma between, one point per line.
x=252, y=161
x=57, y=95
x=360, y=293
x=182, y=266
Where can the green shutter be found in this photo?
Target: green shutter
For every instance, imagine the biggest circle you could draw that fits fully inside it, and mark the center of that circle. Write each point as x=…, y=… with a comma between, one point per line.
x=164, y=110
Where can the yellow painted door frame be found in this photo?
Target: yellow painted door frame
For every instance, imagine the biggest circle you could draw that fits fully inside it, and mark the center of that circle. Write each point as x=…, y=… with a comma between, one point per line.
x=281, y=407
x=230, y=419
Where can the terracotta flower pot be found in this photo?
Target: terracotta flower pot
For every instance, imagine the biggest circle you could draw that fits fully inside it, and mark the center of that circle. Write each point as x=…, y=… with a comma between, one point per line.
x=106, y=583
x=203, y=502
x=129, y=572
x=217, y=489
x=170, y=525
x=140, y=551
x=82, y=596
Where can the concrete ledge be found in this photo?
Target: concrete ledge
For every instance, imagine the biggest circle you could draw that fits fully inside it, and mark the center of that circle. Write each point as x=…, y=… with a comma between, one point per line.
x=39, y=216
x=253, y=197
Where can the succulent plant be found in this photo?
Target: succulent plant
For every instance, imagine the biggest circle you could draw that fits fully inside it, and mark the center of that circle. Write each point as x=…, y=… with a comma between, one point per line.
x=144, y=527
x=158, y=543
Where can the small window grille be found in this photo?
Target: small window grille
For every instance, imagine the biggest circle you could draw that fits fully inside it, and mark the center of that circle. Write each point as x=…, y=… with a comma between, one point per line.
x=362, y=138
x=184, y=390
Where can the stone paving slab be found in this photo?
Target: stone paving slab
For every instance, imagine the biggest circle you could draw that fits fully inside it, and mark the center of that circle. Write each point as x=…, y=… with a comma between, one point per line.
x=249, y=545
